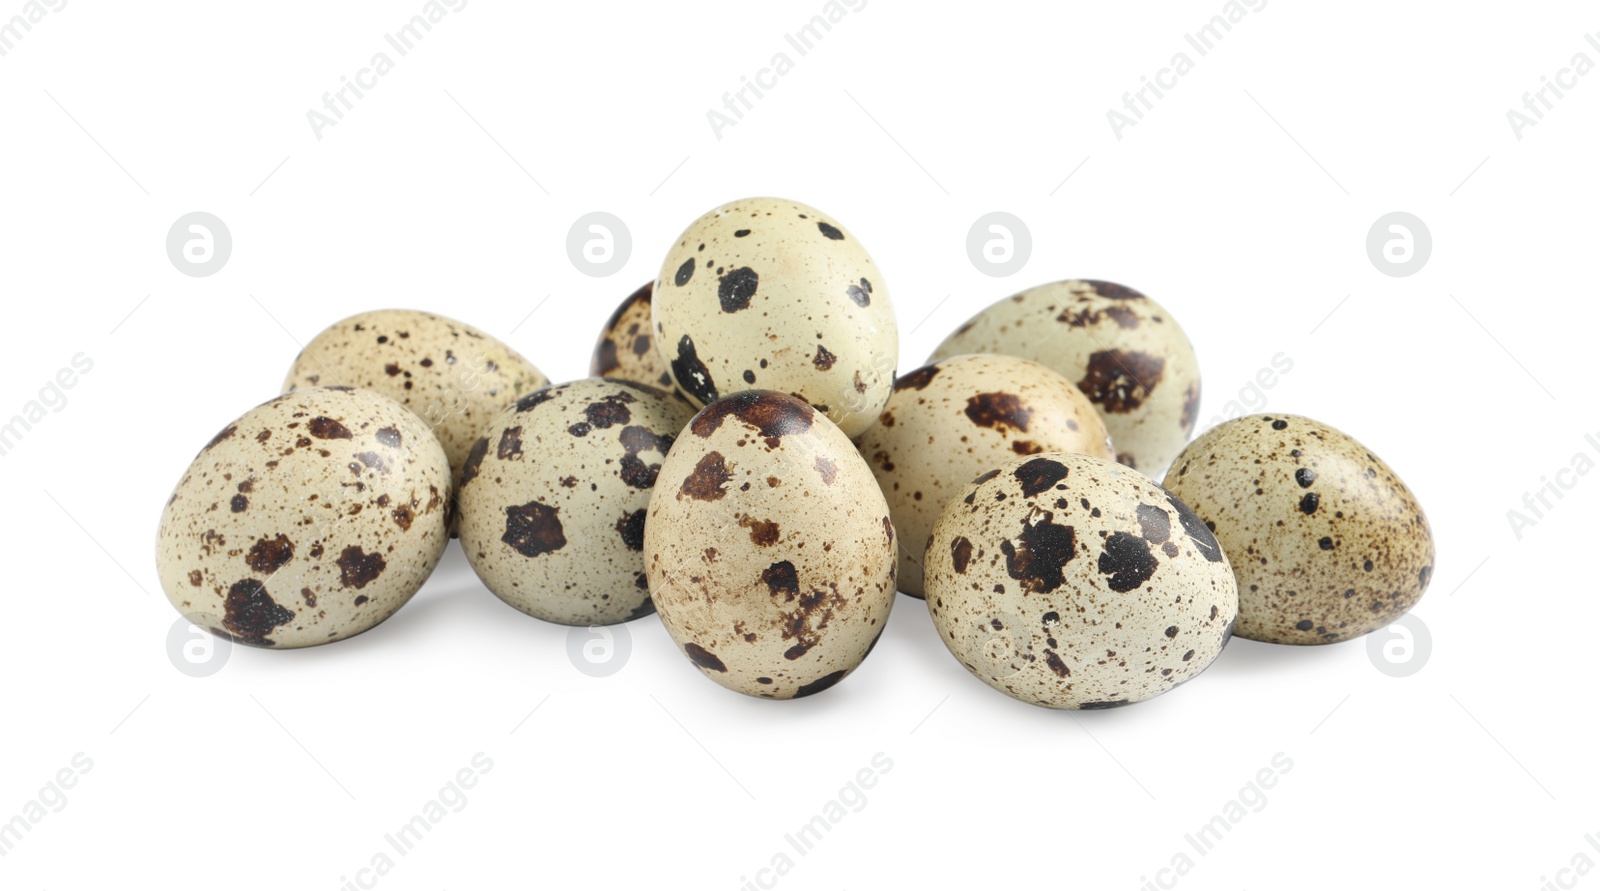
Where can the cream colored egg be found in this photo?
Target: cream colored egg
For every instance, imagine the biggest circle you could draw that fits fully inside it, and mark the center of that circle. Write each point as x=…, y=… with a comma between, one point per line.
x=453, y=376
x=1326, y=541
x=626, y=349
x=951, y=421
x=551, y=502
x=1123, y=350
x=311, y=518
x=1074, y=582
x=772, y=294
x=768, y=547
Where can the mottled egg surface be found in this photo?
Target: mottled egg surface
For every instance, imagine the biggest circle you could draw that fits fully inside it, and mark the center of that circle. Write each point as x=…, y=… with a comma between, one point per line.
x=626, y=349
x=1326, y=541
x=772, y=294
x=311, y=518
x=953, y=420
x=1070, y=581
x=453, y=376
x=551, y=502
x=1123, y=350
x=768, y=547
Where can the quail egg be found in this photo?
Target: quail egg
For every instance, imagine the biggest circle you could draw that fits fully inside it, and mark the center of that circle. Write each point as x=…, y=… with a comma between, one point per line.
x=1326, y=541
x=551, y=502
x=768, y=547
x=1069, y=581
x=311, y=518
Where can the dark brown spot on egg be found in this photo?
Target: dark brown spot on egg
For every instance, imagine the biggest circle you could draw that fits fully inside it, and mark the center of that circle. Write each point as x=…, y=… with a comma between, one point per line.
x=403, y=517
x=238, y=504
x=691, y=373
x=763, y=532
x=195, y=578
x=823, y=360
x=250, y=613
x=357, y=568
x=1039, y=475
x=820, y=684
x=1197, y=530
x=533, y=529
x=327, y=428
x=1038, y=554
x=389, y=436
x=960, y=553
x=633, y=470
x=706, y=481
x=998, y=411
x=268, y=555
x=227, y=432
x=916, y=380
x=469, y=470
x=775, y=415
x=1113, y=291
x=510, y=447
x=781, y=578
x=631, y=528
x=703, y=657
x=829, y=231
x=735, y=289
x=1128, y=561
x=684, y=273
x=1120, y=381
x=1154, y=523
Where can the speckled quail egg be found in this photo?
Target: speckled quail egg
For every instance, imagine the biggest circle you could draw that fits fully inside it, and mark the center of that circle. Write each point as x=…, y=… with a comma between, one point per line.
x=627, y=348
x=1124, y=351
x=311, y=518
x=772, y=294
x=952, y=420
x=451, y=375
x=1069, y=581
x=769, y=548
x=551, y=502
x=1326, y=541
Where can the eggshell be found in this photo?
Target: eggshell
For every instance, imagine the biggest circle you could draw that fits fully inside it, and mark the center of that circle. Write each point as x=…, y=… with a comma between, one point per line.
x=552, y=499
x=772, y=294
x=1124, y=351
x=311, y=518
x=952, y=420
x=626, y=349
x=768, y=547
x=1070, y=581
x=1326, y=541
x=453, y=376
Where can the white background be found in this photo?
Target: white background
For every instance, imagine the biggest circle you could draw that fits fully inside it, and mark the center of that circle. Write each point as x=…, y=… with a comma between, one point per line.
x=1241, y=202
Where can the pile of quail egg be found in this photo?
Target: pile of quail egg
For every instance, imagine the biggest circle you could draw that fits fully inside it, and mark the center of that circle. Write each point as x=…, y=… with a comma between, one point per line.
x=746, y=463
